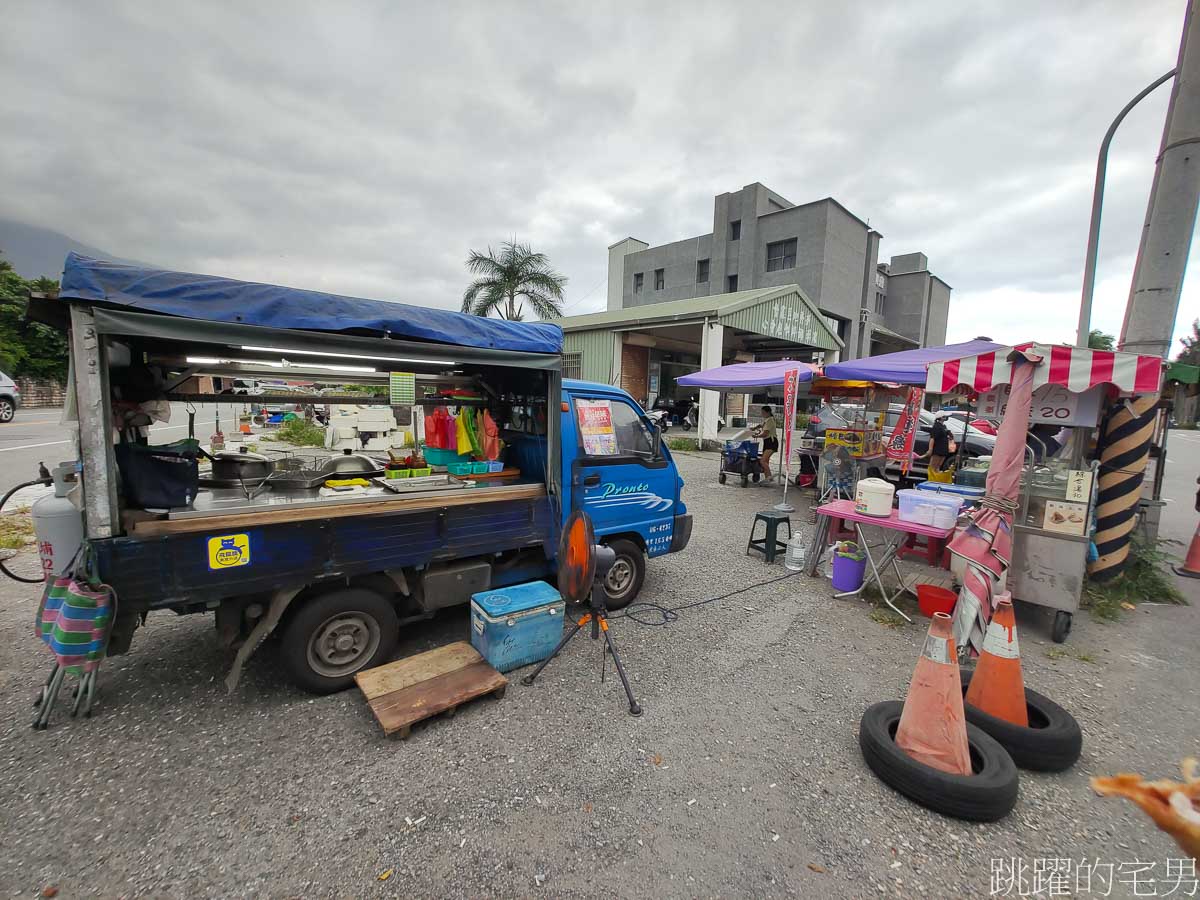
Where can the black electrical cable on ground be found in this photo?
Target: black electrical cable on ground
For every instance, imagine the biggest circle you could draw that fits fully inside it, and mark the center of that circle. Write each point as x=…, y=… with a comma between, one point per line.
x=669, y=614
x=4, y=568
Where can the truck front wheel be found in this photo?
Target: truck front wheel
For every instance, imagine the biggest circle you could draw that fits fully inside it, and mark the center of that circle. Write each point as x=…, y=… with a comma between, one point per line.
x=625, y=578
x=334, y=635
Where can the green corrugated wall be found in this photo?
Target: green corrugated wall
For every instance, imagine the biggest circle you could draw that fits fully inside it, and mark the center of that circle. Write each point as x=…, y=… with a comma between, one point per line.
x=597, y=349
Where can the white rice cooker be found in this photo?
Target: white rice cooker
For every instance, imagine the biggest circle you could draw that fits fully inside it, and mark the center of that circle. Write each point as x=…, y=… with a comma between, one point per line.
x=873, y=497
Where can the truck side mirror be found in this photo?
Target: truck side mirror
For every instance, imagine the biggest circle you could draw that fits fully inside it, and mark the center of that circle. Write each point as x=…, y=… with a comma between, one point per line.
x=655, y=442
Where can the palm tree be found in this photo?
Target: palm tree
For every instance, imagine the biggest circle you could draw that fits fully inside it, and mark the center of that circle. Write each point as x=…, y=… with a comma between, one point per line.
x=514, y=277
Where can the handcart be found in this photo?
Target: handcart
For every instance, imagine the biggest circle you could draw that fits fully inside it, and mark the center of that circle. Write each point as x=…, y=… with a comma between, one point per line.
x=740, y=458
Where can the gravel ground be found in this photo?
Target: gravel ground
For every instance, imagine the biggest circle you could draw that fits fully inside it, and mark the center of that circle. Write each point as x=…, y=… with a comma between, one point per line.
x=742, y=778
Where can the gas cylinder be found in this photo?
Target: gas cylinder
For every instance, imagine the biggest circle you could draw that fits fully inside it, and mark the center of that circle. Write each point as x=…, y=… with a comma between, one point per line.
x=58, y=524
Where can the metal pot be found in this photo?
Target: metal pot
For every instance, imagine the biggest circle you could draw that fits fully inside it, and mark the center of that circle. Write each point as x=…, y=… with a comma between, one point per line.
x=352, y=464
x=240, y=465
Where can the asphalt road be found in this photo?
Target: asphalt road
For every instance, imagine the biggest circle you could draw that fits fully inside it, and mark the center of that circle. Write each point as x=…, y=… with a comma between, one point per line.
x=743, y=778
x=35, y=435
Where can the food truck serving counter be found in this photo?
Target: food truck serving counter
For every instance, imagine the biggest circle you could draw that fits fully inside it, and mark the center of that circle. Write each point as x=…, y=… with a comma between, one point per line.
x=324, y=546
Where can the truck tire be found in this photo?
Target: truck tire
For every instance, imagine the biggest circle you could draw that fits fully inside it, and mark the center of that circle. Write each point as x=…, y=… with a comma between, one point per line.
x=334, y=635
x=625, y=578
x=987, y=794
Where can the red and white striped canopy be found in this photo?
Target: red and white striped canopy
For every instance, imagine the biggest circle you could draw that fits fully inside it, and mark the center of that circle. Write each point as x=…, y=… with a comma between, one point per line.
x=1075, y=368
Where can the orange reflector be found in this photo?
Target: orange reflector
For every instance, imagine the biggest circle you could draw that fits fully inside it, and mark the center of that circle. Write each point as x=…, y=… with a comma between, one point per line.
x=566, y=406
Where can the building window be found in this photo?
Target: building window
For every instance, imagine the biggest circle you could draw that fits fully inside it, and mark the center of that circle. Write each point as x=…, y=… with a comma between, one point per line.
x=637, y=282
x=735, y=230
x=879, y=295
x=731, y=283
x=572, y=365
x=660, y=280
x=781, y=255
x=702, y=271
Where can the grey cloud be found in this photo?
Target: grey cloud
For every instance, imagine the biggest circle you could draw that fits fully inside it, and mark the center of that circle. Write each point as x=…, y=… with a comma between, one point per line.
x=366, y=147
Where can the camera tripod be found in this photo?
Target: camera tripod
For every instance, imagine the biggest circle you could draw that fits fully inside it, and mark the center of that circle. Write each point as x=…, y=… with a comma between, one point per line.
x=597, y=615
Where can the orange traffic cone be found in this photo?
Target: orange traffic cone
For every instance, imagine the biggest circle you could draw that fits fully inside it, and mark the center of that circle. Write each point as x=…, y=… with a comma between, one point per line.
x=997, y=687
x=1191, y=565
x=932, y=727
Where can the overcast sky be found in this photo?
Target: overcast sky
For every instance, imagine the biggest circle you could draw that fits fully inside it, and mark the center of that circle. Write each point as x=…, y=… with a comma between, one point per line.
x=365, y=148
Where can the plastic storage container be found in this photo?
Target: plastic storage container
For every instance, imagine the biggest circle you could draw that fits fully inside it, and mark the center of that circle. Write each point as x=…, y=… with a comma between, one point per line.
x=495, y=466
x=479, y=468
x=459, y=468
x=929, y=508
x=516, y=626
x=967, y=493
x=873, y=497
x=437, y=457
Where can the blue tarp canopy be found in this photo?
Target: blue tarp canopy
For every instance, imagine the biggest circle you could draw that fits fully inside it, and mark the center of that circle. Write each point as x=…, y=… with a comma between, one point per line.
x=906, y=366
x=214, y=299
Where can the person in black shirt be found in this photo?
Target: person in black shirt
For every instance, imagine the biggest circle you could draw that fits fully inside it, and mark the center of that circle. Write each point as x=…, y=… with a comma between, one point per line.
x=939, y=444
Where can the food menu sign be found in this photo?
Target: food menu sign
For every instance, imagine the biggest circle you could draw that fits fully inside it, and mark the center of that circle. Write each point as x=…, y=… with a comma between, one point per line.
x=1068, y=518
x=596, y=427
x=1052, y=403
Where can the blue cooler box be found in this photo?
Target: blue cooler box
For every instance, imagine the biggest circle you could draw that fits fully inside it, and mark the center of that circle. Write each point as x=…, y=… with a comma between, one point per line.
x=969, y=494
x=516, y=626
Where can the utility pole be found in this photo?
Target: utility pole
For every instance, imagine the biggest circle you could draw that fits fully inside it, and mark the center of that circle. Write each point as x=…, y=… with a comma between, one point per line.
x=1150, y=313
x=1171, y=212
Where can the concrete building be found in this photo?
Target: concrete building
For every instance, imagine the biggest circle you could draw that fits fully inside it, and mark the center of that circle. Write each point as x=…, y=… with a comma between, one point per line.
x=762, y=240
x=645, y=349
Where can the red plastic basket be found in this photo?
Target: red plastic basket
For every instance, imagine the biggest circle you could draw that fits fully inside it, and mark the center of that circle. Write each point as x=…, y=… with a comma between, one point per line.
x=933, y=599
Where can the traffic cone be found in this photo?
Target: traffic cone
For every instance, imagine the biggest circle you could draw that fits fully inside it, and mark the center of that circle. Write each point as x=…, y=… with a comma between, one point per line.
x=932, y=727
x=245, y=429
x=1191, y=565
x=997, y=687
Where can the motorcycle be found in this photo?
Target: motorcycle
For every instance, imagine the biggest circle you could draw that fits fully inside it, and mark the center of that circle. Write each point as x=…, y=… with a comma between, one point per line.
x=691, y=418
x=661, y=419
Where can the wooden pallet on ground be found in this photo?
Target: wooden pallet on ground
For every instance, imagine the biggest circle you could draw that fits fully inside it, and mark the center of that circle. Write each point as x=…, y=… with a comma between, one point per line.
x=418, y=687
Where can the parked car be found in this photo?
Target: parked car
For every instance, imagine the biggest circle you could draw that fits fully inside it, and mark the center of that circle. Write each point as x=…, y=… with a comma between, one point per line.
x=985, y=425
x=10, y=398
x=975, y=442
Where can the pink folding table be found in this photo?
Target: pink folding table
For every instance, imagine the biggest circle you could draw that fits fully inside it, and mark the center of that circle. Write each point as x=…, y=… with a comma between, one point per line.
x=893, y=533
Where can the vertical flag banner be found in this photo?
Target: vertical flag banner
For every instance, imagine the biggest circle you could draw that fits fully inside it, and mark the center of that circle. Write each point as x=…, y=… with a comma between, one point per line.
x=791, y=382
x=900, y=442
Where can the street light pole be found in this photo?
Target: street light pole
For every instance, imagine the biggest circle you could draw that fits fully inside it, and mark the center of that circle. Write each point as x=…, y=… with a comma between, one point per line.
x=1171, y=212
x=1093, y=247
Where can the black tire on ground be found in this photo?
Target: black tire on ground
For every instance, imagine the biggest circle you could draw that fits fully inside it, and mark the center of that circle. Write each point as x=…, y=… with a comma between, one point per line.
x=332, y=636
x=986, y=795
x=721, y=478
x=686, y=426
x=1051, y=743
x=1062, y=626
x=625, y=578
x=7, y=410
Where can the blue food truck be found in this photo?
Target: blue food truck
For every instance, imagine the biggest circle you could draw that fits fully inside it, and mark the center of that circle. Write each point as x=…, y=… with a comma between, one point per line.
x=323, y=548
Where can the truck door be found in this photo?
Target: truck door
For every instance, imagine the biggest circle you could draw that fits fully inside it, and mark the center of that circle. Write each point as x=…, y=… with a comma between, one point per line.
x=617, y=476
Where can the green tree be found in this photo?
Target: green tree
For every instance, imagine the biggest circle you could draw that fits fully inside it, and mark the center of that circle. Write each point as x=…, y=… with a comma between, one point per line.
x=1098, y=340
x=504, y=283
x=27, y=348
x=1190, y=354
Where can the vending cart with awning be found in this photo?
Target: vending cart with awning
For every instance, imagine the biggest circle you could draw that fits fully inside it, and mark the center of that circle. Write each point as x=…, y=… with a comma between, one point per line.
x=1036, y=542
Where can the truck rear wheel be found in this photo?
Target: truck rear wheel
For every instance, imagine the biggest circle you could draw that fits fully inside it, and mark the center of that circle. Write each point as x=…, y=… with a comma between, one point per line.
x=334, y=635
x=625, y=578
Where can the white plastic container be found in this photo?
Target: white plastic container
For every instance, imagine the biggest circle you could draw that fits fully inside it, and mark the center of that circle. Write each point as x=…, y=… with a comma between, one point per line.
x=873, y=497
x=927, y=508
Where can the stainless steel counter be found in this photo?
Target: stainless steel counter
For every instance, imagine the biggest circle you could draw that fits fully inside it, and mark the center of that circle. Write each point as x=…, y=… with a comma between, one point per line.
x=226, y=501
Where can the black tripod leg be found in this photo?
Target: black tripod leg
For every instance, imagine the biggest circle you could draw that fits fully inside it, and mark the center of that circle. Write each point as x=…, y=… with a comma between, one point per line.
x=634, y=709
x=528, y=679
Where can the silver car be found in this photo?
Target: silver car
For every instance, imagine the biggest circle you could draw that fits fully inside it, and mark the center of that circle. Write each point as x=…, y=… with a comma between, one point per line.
x=10, y=398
